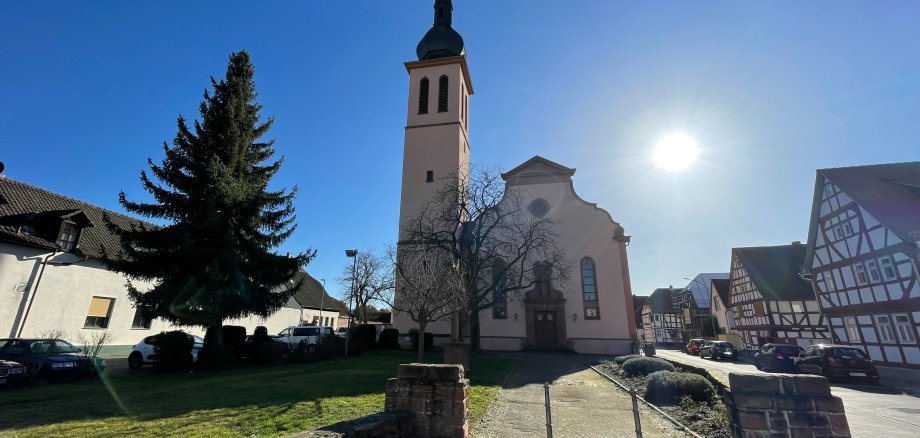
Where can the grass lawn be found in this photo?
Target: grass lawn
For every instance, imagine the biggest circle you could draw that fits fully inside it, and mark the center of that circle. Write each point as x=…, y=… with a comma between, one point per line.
x=250, y=401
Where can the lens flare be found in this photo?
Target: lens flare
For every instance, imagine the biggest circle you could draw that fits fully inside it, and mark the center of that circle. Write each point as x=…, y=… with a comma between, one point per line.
x=675, y=151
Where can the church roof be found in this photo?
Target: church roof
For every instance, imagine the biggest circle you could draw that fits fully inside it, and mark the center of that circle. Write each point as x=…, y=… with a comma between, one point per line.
x=441, y=41
x=538, y=170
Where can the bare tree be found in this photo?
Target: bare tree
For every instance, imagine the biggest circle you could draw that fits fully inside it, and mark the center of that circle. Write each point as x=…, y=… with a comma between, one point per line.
x=495, y=240
x=365, y=280
x=92, y=343
x=430, y=288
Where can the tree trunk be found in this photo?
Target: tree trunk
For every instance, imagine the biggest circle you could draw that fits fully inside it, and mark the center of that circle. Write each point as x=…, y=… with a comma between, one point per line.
x=474, y=328
x=421, y=342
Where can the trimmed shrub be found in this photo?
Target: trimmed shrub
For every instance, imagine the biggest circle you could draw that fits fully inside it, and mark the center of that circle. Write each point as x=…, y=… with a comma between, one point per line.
x=619, y=360
x=365, y=334
x=234, y=339
x=668, y=388
x=643, y=366
x=173, y=350
x=389, y=339
x=429, y=340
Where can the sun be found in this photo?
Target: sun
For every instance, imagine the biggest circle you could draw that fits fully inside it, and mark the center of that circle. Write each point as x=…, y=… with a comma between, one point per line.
x=675, y=151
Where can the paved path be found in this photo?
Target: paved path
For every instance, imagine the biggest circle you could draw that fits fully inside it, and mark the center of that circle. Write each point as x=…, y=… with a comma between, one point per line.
x=872, y=411
x=584, y=404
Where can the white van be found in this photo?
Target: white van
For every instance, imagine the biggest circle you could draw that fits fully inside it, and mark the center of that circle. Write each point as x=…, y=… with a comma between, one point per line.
x=311, y=336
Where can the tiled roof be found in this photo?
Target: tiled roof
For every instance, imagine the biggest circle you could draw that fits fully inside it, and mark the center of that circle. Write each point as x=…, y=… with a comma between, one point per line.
x=699, y=286
x=889, y=192
x=775, y=271
x=721, y=287
x=312, y=294
x=20, y=201
x=660, y=301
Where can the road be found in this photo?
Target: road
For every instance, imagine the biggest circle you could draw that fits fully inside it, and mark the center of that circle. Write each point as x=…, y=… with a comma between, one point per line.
x=872, y=411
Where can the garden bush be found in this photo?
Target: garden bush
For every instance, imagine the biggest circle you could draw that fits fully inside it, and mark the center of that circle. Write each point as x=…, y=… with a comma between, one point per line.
x=173, y=350
x=234, y=339
x=643, y=366
x=619, y=360
x=365, y=334
x=389, y=339
x=668, y=388
x=429, y=340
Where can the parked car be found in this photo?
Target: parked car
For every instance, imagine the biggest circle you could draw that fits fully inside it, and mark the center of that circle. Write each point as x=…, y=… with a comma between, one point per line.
x=144, y=352
x=777, y=357
x=837, y=361
x=341, y=331
x=693, y=347
x=11, y=372
x=719, y=350
x=311, y=336
x=50, y=359
x=278, y=344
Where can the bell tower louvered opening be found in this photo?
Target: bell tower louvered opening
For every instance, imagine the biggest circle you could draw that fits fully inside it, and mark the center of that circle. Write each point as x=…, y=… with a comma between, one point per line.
x=442, y=94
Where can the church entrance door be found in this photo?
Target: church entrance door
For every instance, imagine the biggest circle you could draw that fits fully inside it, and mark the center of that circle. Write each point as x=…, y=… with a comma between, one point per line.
x=545, y=329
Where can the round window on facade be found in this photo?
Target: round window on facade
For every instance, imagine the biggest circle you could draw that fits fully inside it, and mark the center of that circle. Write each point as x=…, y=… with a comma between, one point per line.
x=539, y=207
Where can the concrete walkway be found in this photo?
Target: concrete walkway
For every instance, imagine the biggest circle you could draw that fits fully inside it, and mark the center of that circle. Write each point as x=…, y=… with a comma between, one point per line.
x=584, y=404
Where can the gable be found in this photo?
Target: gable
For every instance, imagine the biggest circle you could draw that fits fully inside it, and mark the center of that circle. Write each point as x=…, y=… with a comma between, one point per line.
x=538, y=170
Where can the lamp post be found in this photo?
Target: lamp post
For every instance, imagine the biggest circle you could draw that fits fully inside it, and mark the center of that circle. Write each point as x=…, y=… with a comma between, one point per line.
x=353, y=254
x=711, y=316
x=322, y=300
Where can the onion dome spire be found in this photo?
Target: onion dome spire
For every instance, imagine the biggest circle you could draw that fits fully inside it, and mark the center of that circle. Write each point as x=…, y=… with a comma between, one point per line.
x=441, y=40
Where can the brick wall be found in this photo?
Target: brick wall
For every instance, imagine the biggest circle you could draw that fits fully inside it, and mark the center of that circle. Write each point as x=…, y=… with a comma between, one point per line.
x=784, y=405
x=436, y=394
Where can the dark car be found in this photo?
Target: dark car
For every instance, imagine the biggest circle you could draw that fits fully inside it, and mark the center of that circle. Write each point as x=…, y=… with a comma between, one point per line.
x=837, y=362
x=777, y=357
x=719, y=350
x=693, y=347
x=11, y=372
x=278, y=346
x=51, y=359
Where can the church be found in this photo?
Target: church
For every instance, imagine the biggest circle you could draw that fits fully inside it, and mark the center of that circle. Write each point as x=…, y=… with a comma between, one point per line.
x=591, y=312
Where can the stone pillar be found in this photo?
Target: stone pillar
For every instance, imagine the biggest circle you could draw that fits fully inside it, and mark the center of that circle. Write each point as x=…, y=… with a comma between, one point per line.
x=436, y=394
x=457, y=353
x=784, y=405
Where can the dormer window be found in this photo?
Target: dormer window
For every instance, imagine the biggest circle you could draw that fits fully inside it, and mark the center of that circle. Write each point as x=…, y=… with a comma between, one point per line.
x=67, y=239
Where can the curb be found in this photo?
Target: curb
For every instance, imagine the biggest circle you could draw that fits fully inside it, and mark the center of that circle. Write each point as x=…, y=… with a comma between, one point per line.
x=642, y=399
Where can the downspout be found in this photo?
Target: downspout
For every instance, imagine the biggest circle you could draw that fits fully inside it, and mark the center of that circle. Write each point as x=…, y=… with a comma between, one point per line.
x=38, y=281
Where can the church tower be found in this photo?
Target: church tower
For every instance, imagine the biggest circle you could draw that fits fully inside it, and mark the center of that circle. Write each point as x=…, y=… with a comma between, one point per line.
x=436, y=142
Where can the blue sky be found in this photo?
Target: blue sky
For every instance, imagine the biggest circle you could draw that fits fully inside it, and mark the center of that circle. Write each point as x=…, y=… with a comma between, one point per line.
x=770, y=91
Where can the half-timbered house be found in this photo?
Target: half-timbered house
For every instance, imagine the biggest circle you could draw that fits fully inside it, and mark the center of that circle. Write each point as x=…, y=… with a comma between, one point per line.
x=661, y=323
x=770, y=299
x=863, y=243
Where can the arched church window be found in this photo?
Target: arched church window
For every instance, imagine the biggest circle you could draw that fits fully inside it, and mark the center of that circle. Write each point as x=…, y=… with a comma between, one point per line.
x=423, y=96
x=499, y=295
x=589, y=288
x=442, y=94
x=538, y=207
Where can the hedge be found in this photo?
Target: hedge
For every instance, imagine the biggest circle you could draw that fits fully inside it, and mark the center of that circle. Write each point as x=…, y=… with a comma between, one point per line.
x=667, y=388
x=619, y=360
x=643, y=366
x=173, y=350
x=389, y=339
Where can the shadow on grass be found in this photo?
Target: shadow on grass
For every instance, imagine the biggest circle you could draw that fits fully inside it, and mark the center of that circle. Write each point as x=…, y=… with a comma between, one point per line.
x=254, y=400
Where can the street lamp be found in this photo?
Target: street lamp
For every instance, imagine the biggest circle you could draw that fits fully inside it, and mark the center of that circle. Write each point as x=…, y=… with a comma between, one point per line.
x=353, y=254
x=322, y=299
x=712, y=319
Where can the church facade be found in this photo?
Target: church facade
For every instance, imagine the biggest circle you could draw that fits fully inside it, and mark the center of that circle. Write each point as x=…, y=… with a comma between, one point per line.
x=590, y=312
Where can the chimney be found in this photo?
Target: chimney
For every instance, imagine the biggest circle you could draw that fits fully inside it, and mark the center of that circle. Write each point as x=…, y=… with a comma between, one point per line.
x=796, y=242
x=289, y=254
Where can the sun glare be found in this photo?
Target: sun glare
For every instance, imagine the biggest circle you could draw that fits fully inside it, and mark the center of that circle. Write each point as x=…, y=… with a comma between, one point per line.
x=675, y=151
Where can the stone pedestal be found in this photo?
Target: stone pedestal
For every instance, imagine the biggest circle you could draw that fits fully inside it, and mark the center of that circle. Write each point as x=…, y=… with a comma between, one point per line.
x=435, y=394
x=786, y=405
x=457, y=353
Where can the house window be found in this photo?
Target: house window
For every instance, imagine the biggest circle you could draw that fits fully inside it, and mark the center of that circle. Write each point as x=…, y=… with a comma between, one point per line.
x=852, y=329
x=838, y=232
x=657, y=318
x=100, y=310
x=828, y=190
x=847, y=228
x=758, y=308
x=429, y=176
x=538, y=207
x=872, y=267
x=860, y=273
x=141, y=320
x=442, y=94
x=904, y=328
x=829, y=284
x=885, y=331
x=589, y=288
x=499, y=295
x=887, y=268
x=68, y=237
x=423, y=96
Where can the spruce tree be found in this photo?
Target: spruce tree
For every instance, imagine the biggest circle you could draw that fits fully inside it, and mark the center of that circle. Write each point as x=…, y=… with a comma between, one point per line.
x=213, y=258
